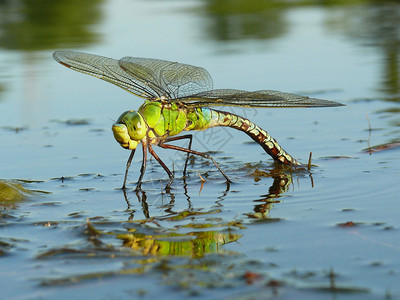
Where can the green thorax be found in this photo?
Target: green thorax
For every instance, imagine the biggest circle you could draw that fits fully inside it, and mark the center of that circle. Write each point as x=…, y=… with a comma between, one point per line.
x=168, y=119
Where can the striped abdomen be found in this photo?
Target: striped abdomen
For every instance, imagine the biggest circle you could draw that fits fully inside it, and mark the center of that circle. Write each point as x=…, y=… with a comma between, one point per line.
x=269, y=144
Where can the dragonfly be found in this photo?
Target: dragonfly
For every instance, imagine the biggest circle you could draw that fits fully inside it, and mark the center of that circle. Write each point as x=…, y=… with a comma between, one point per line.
x=180, y=98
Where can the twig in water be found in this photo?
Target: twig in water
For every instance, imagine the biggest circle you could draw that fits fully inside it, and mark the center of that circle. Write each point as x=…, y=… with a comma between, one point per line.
x=369, y=136
x=202, y=183
x=309, y=162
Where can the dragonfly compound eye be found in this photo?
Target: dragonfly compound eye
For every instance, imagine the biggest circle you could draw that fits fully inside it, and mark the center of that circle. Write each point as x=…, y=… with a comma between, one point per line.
x=134, y=123
x=122, y=137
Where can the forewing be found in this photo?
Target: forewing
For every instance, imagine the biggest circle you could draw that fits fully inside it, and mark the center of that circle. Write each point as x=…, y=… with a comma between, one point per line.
x=263, y=98
x=105, y=68
x=169, y=79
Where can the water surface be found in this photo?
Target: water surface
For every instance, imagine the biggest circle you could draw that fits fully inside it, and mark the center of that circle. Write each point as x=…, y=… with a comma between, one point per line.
x=68, y=230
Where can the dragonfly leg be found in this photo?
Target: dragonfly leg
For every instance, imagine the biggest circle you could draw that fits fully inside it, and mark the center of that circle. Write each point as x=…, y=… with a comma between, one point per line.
x=143, y=167
x=171, y=176
x=128, y=164
x=196, y=153
x=175, y=138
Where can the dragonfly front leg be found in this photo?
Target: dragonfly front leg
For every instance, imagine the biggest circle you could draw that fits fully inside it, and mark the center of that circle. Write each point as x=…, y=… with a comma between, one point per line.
x=171, y=176
x=128, y=164
x=143, y=167
x=175, y=138
x=166, y=146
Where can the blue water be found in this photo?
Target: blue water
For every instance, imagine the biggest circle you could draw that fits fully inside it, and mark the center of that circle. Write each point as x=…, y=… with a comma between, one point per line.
x=330, y=232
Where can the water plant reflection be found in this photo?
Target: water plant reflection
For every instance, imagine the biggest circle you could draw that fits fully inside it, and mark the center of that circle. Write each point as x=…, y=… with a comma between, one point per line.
x=12, y=193
x=192, y=244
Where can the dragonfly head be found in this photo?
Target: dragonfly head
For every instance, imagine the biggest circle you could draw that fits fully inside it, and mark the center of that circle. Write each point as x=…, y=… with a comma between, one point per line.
x=129, y=129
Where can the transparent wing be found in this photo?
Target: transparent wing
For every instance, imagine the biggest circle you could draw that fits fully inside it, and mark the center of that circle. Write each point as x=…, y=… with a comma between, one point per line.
x=154, y=78
x=144, y=77
x=263, y=98
x=168, y=79
x=105, y=68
